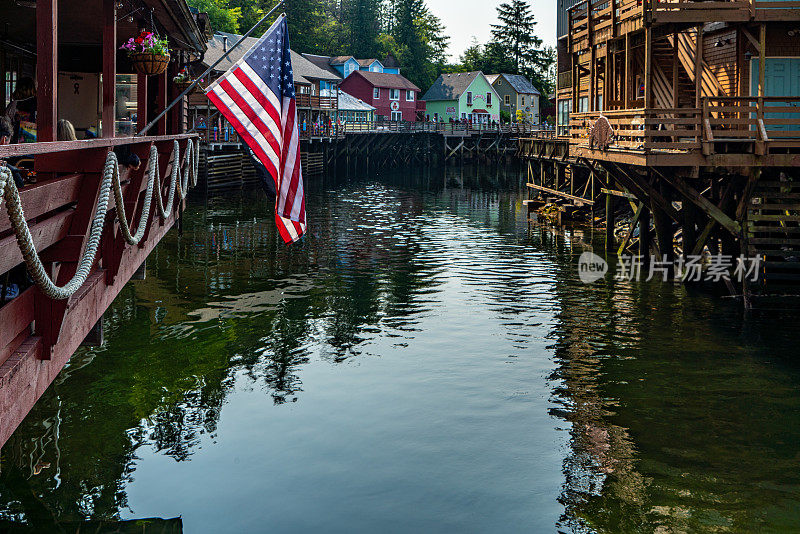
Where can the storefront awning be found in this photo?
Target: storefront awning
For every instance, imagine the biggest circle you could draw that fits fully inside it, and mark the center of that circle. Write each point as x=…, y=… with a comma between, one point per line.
x=480, y=111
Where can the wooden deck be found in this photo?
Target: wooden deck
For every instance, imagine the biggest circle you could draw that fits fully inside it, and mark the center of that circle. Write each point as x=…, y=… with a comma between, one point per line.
x=39, y=334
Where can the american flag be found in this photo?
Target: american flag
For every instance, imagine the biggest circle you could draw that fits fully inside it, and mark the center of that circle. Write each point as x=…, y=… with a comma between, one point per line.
x=257, y=96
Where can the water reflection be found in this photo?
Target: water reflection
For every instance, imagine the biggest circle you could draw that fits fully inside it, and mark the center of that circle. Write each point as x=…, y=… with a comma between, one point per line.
x=425, y=361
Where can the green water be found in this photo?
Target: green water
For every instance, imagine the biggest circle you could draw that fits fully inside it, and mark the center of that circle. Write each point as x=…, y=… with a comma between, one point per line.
x=425, y=362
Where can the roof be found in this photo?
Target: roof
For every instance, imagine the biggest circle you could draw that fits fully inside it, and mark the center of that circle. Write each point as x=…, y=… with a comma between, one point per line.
x=304, y=71
x=323, y=62
x=450, y=86
x=518, y=82
x=351, y=103
x=386, y=79
x=340, y=60
x=367, y=62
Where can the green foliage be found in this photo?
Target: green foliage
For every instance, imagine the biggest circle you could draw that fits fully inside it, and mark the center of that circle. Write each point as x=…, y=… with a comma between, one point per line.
x=222, y=15
x=505, y=116
x=362, y=28
x=513, y=49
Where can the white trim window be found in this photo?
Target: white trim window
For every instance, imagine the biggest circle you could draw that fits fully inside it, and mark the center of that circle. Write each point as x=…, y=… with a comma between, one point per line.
x=523, y=100
x=507, y=100
x=488, y=99
x=410, y=96
x=394, y=94
x=376, y=93
x=469, y=98
x=397, y=116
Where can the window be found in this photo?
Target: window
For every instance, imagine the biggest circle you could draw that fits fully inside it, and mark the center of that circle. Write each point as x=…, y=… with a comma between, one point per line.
x=409, y=96
x=469, y=98
x=488, y=99
x=583, y=104
x=376, y=93
x=435, y=117
x=394, y=94
x=397, y=115
x=523, y=100
x=563, y=116
x=507, y=100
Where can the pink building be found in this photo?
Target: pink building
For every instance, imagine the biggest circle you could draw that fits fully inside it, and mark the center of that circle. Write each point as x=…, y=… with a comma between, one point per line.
x=393, y=96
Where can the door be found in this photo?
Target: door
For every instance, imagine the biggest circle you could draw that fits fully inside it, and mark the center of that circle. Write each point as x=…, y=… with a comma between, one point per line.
x=781, y=78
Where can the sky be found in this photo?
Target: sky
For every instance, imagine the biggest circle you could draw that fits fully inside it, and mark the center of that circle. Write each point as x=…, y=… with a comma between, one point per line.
x=468, y=19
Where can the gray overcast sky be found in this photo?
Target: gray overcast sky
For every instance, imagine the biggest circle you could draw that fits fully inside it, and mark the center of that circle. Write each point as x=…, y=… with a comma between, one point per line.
x=465, y=19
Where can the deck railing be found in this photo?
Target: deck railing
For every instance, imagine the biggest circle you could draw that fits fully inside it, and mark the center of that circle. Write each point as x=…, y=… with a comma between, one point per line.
x=760, y=122
x=770, y=121
x=447, y=128
x=305, y=100
x=591, y=22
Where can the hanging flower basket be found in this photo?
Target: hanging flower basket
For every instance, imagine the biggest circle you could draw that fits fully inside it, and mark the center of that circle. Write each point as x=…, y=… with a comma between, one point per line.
x=184, y=79
x=149, y=64
x=149, y=55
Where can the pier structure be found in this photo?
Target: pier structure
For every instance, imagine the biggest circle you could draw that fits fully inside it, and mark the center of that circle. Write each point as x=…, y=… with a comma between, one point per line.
x=683, y=117
x=85, y=214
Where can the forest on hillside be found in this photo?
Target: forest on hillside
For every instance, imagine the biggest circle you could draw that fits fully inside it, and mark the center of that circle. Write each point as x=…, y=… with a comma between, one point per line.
x=404, y=28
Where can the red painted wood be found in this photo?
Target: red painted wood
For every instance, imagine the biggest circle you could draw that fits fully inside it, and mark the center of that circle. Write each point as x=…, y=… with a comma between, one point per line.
x=26, y=378
x=141, y=101
x=28, y=367
x=162, y=102
x=45, y=234
x=46, y=69
x=44, y=197
x=15, y=319
x=133, y=199
x=33, y=149
x=109, y=66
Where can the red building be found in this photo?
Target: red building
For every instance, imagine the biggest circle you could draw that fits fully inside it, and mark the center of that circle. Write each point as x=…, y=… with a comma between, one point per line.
x=393, y=96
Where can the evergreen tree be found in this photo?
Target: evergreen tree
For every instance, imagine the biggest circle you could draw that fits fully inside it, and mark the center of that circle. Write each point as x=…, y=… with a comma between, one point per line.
x=363, y=24
x=515, y=34
x=306, y=19
x=420, y=39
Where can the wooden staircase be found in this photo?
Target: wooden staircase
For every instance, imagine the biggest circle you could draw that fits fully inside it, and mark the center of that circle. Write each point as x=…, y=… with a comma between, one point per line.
x=772, y=231
x=686, y=56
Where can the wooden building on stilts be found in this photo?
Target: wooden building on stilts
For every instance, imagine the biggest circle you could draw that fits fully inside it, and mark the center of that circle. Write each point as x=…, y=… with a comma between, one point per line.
x=80, y=215
x=686, y=115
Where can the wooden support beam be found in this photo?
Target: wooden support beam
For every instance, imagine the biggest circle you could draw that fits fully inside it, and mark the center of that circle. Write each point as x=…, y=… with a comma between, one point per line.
x=46, y=69
x=690, y=194
x=648, y=67
x=698, y=66
x=162, y=102
x=560, y=194
x=109, y=67
x=141, y=105
x=644, y=235
x=631, y=227
x=610, y=222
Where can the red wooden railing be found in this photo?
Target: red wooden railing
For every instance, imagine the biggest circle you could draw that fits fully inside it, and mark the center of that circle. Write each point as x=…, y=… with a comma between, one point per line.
x=37, y=334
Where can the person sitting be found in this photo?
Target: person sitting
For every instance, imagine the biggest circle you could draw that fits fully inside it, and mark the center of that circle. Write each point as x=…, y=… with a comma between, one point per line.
x=6, y=133
x=22, y=111
x=65, y=131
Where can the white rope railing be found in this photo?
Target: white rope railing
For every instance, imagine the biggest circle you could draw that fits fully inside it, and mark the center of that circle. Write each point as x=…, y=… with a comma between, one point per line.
x=110, y=181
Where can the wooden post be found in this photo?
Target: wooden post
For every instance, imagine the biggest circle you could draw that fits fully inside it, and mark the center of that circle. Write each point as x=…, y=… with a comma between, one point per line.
x=663, y=226
x=626, y=82
x=644, y=235
x=610, y=220
x=648, y=67
x=698, y=67
x=675, y=67
x=141, y=102
x=109, y=67
x=162, y=102
x=762, y=67
x=47, y=69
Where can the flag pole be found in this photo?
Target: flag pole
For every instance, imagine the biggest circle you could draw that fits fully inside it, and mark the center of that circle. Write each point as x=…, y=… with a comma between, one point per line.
x=209, y=69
